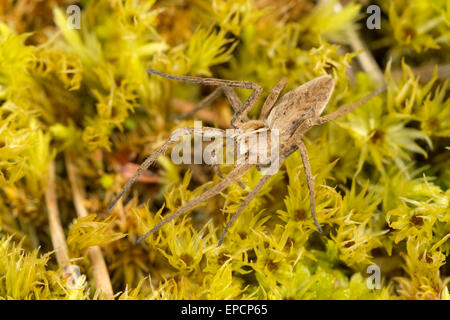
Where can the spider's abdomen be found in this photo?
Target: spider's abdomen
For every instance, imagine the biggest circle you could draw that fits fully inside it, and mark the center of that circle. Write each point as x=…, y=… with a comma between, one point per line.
x=306, y=101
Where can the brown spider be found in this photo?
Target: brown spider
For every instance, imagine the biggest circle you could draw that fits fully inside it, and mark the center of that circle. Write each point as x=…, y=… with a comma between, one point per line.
x=293, y=115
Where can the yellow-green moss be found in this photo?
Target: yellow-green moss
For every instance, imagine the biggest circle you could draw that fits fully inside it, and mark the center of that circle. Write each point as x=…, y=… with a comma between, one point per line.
x=382, y=172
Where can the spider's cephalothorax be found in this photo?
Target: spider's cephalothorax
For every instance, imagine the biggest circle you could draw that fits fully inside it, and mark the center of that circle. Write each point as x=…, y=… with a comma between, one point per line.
x=291, y=115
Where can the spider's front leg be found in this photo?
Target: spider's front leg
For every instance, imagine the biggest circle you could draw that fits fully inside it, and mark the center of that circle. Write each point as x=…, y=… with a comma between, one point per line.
x=215, y=162
x=174, y=138
x=240, y=116
x=231, y=95
x=272, y=98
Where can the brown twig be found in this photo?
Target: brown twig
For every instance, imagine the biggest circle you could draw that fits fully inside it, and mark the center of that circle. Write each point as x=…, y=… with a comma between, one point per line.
x=56, y=230
x=99, y=269
x=366, y=60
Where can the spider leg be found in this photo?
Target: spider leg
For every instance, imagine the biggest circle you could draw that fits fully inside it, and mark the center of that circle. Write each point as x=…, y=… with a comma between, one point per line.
x=231, y=95
x=217, y=170
x=309, y=181
x=311, y=122
x=229, y=179
x=214, y=162
x=240, y=115
x=343, y=110
x=220, y=175
x=272, y=98
x=154, y=156
x=244, y=204
x=208, y=81
x=241, y=184
x=295, y=141
x=204, y=103
x=239, y=181
x=233, y=98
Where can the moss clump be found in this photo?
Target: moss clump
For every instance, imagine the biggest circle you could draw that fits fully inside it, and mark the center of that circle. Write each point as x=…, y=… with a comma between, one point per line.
x=80, y=101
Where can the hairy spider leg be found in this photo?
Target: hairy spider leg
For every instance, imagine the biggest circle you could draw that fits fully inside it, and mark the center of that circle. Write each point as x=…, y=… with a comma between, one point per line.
x=288, y=149
x=231, y=95
x=244, y=204
x=154, y=156
x=202, y=104
x=343, y=110
x=233, y=98
x=240, y=115
x=214, y=160
x=309, y=182
x=216, y=168
x=272, y=98
x=229, y=179
x=217, y=171
x=308, y=123
x=295, y=141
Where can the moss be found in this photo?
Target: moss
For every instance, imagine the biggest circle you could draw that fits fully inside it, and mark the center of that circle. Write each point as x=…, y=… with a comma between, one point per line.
x=381, y=172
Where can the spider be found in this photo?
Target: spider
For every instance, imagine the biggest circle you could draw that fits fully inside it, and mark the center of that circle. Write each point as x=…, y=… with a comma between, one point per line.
x=292, y=114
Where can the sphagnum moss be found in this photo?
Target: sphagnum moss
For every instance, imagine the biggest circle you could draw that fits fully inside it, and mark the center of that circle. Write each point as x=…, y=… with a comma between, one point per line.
x=381, y=172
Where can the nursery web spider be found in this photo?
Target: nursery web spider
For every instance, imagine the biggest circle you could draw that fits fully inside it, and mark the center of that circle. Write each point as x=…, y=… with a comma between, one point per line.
x=293, y=114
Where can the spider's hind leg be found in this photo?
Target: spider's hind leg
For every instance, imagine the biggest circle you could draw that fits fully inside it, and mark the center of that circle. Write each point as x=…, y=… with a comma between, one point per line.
x=309, y=181
x=229, y=179
x=244, y=204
